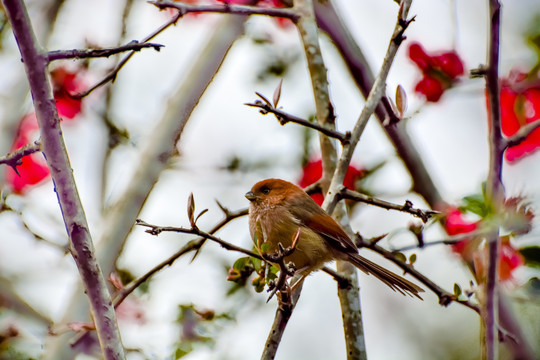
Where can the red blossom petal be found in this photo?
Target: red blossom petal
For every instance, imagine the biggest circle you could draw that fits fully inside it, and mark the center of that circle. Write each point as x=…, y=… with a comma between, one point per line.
x=431, y=88
x=33, y=168
x=450, y=64
x=440, y=71
x=32, y=171
x=419, y=56
x=313, y=172
x=68, y=107
x=455, y=224
x=520, y=105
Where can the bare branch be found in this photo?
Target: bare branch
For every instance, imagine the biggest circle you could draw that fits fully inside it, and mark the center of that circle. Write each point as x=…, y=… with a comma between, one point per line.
x=424, y=215
x=156, y=230
x=284, y=118
x=112, y=75
x=96, y=53
x=330, y=22
x=445, y=298
x=14, y=158
x=373, y=99
x=226, y=8
x=494, y=187
x=521, y=134
x=53, y=146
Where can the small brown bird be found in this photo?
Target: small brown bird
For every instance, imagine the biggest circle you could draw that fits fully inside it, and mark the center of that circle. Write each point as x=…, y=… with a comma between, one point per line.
x=279, y=211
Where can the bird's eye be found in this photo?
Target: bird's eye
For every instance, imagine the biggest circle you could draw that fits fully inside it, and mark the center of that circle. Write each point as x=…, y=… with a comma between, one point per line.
x=265, y=190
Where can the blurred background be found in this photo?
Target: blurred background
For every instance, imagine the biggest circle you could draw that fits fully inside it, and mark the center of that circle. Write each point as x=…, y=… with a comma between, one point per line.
x=189, y=309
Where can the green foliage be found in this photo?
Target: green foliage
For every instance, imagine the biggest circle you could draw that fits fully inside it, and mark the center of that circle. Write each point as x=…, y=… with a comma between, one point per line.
x=457, y=290
x=198, y=328
x=475, y=204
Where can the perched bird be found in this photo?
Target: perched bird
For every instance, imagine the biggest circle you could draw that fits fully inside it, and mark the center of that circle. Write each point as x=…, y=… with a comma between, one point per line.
x=280, y=212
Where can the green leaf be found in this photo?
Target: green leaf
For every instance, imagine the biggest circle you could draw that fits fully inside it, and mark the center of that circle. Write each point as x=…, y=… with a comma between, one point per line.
x=265, y=247
x=257, y=264
x=412, y=259
x=400, y=256
x=475, y=204
x=457, y=290
x=531, y=254
x=240, y=263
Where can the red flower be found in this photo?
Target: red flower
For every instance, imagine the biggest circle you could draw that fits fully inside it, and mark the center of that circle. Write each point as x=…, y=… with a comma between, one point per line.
x=509, y=260
x=65, y=85
x=440, y=71
x=520, y=105
x=33, y=168
x=313, y=172
x=509, y=257
x=456, y=224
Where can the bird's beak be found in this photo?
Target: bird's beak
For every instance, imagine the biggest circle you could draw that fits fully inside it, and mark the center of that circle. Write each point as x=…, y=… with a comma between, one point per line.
x=250, y=196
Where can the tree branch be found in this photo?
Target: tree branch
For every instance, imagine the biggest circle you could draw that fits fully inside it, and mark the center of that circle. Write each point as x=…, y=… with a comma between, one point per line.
x=445, y=298
x=193, y=245
x=119, y=219
x=494, y=186
x=112, y=75
x=14, y=158
x=424, y=215
x=226, y=8
x=53, y=147
x=95, y=53
x=331, y=23
x=521, y=134
x=284, y=118
x=349, y=297
x=373, y=99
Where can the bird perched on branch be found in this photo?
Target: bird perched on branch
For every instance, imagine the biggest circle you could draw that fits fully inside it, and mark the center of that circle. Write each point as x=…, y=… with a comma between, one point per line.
x=282, y=213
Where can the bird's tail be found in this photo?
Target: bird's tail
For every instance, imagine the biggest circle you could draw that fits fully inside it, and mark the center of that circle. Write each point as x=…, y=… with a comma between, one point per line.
x=394, y=281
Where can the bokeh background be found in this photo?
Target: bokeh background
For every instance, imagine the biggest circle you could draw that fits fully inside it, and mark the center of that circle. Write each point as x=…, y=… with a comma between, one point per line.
x=225, y=148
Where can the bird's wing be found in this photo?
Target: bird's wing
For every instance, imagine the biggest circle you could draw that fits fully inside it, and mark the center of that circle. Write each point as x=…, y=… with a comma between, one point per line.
x=313, y=216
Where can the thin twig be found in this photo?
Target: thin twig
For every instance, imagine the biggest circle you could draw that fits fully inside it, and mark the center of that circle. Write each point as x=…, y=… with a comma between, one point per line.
x=521, y=134
x=425, y=215
x=14, y=159
x=156, y=230
x=284, y=118
x=373, y=99
x=445, y=298
x=330, y=22
x=193, y=245
x=227, y=8
x=96, y=53
x=112, y=75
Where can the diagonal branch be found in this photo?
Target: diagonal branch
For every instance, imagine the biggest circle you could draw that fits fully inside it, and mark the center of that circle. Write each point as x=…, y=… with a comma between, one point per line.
x=285, y=118
x=373, y=99
x=445, y=298
x=332, y=24
x=193, y=245
x=112, y=75
x=53, y=146
x=521, y=134
x=95, y=53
